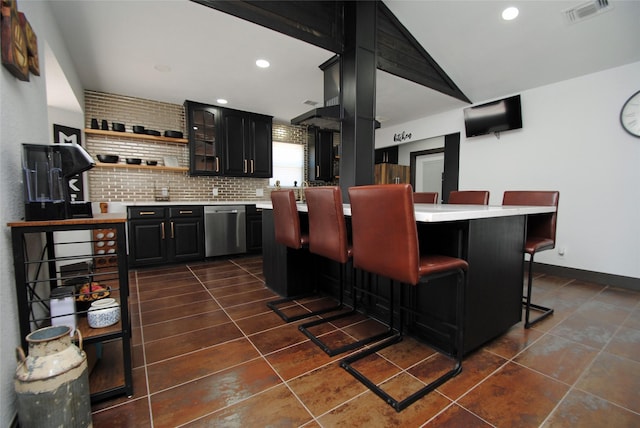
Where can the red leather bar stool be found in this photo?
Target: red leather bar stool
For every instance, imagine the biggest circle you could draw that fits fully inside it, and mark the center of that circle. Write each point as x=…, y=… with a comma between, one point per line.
x=287, y=232
x=385, y=243
x=541, y=235
x=425, y=197
x=469, y=197
x=328, y=238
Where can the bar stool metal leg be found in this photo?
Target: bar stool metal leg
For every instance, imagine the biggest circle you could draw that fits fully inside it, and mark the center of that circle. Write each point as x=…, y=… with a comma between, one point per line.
x=304, y=328
x=528, y=305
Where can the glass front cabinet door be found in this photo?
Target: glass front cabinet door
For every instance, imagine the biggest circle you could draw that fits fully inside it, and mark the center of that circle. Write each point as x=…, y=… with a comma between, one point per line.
x=203, y=123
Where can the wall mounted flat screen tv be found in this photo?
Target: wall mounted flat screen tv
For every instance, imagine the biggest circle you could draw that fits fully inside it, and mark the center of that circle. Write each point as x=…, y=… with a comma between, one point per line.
x=493, y=117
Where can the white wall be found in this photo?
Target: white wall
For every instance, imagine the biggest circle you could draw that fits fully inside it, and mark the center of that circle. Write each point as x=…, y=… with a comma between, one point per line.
x=571, y=141
x=23, y=119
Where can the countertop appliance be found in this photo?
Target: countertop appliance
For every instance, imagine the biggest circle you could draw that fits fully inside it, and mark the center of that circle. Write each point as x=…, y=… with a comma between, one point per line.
x=224, y=230
x=47, y=169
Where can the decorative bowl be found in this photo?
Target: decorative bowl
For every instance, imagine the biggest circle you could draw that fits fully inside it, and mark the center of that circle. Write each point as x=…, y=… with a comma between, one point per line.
x=134, y=161
x=108, y=158
x=118, y=127
x=138, y=129
x=152, y=132
x=103, y=313
x=152, y=162
x=173, y=134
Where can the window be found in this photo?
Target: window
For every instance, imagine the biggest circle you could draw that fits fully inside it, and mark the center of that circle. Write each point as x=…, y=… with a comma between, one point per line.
x=288, y=164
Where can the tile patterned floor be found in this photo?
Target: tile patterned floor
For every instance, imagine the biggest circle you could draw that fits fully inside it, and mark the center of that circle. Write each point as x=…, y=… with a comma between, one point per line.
x=207, y=352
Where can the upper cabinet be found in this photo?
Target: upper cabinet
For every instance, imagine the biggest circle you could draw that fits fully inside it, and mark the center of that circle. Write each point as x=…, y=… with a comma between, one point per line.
x=247, y=144
x=387, y=155
x=205, y=149
x=320, y=145
x=228, y=142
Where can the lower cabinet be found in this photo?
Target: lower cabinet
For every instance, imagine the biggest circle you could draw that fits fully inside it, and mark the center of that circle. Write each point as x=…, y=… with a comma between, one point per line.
x=165, y=234
x=254, y=229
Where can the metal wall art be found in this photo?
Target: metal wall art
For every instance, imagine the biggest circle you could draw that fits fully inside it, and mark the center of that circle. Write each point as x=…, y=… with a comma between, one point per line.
x=19, y=42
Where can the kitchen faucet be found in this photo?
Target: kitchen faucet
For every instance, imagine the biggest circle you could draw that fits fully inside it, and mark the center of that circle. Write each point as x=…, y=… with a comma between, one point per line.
x=304, y=184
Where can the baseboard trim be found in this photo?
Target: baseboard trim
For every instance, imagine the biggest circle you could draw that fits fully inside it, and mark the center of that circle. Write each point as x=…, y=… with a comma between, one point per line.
x=589, y=276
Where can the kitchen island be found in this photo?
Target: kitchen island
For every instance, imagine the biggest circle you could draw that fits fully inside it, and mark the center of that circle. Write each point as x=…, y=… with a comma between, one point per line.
x=490, y=238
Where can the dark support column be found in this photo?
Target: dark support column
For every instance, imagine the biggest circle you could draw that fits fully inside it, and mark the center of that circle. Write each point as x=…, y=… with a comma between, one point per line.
x=358, y=89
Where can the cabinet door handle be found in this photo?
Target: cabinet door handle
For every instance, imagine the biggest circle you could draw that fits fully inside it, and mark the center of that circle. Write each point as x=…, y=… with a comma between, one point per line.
x=162, y=230
x=217, y=164
x=147, y=212
x=244, y=167
x=317, y=170
x=252, y=167
x=172, y=234
x=186, y=212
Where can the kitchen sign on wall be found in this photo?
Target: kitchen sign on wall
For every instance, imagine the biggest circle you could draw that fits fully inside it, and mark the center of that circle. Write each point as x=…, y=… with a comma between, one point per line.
x=66, y=135
x=401, y=137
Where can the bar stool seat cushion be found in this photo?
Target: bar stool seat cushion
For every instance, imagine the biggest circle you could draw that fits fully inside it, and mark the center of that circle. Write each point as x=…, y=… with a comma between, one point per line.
x=433, y=264
x=534, y=244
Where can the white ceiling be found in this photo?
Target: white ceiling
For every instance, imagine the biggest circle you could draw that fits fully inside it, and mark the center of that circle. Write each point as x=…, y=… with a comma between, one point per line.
x=115, y=46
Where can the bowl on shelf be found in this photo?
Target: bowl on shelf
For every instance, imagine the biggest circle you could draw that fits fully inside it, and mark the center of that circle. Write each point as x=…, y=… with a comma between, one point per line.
x=134, y=161
x=88, y=293
x=173, y=134
x=103, y=313
x=118, y=127
x=152, y=132
x=152, y=162
x=138, y=129
x=108, y=158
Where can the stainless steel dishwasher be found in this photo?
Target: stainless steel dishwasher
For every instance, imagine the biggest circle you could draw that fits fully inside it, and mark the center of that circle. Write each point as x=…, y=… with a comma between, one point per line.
x=224, y=230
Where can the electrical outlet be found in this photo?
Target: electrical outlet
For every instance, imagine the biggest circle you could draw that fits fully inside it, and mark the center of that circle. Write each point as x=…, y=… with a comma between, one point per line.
x=259, y=192
x=214, y=191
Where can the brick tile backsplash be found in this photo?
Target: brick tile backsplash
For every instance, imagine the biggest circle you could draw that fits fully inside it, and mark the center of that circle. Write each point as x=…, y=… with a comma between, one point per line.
x=138, y=184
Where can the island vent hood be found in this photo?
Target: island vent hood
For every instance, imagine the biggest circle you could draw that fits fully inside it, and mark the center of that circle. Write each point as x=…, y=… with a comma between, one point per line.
x=328, y=116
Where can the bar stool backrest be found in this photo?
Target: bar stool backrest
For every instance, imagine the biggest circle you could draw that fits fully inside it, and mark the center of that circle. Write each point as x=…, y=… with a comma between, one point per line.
x=425, y=197
x=385, y=236
x=539, y=226
x=327, y=228
x=469, y=197
x=286, y=221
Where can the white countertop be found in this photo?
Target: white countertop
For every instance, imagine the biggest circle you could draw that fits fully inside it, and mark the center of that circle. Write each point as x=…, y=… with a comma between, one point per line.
x=430, y=213
x=115, y=207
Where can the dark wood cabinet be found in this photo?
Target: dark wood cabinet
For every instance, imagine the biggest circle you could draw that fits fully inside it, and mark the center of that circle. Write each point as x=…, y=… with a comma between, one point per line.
x=205, y=148
x=254, y=229
x=228, y=142
x=321, y=155
x=186, y=234
x=165, y=234
x=386, y=155
x=247, y=144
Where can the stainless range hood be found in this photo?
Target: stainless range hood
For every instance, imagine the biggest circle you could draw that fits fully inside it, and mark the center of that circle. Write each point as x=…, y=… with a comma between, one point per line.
x=328, y=116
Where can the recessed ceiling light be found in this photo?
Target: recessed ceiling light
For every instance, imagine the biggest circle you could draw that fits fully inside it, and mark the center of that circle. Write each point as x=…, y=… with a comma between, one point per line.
x=510, y=13
x=162, y=68
x=262, y=63
x=221, y=101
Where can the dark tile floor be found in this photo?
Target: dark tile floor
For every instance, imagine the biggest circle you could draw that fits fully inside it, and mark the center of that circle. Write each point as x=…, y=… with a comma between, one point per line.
x=207, y=352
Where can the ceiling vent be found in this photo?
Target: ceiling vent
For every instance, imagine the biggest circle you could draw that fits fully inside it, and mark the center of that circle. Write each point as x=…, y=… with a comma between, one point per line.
x=586, y=10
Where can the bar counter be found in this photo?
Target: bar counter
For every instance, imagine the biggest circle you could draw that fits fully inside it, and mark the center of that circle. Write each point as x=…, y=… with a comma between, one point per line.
x=490, y=238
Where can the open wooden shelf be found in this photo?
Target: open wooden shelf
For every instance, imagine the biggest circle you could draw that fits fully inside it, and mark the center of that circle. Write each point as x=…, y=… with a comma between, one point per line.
x=141, y=166
x=146, y=137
